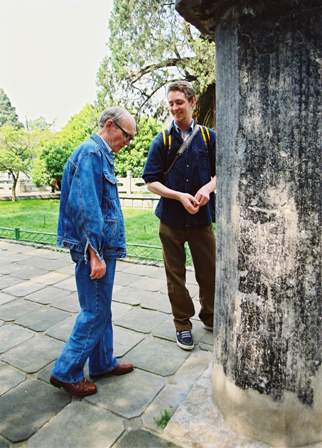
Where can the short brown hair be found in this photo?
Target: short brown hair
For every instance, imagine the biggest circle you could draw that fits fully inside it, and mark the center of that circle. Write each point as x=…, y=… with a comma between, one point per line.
x=182, y=86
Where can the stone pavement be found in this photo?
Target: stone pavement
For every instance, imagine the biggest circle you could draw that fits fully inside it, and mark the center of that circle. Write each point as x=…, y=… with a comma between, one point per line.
x=38, y=305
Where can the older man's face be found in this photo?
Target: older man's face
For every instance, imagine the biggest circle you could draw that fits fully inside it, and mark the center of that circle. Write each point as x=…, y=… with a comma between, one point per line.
x=121, y=132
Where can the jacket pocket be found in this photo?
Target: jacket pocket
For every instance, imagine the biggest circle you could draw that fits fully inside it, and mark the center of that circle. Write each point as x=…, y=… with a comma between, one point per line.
x=110, y=185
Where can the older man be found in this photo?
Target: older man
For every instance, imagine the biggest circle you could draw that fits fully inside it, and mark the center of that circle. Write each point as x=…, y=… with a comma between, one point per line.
x=91, y=225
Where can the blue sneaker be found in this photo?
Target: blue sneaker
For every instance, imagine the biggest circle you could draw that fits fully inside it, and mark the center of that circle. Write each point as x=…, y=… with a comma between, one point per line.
x=184, y=340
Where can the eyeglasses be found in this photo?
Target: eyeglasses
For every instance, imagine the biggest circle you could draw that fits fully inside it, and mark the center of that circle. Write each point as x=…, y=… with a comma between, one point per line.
x=128, y=136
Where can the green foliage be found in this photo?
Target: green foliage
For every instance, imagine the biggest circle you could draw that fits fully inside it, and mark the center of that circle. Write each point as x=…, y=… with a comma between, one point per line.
x=164, y=418
x=134, y=156
x=55, y=152
x=149, y=46
x=15, y=152
x=7, y=111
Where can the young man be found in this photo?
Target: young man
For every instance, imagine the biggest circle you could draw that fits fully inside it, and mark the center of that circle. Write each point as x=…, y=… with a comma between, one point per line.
x=91, y=226
x=184, y=209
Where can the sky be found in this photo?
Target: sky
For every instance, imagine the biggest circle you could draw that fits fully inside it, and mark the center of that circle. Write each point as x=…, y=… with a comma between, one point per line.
x=50, y=52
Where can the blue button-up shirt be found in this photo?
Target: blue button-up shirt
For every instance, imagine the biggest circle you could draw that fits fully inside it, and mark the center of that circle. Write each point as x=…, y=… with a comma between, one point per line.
x=190, y=172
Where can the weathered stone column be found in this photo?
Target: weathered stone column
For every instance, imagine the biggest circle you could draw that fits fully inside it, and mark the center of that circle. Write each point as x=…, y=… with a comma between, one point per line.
x=267, y=374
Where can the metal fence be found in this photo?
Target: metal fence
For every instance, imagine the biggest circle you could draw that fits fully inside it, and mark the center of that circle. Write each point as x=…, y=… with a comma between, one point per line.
x=137, y=251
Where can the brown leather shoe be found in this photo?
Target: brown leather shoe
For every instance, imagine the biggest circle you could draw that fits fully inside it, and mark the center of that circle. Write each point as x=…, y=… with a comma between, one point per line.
x=120, y=369
x=80, y=389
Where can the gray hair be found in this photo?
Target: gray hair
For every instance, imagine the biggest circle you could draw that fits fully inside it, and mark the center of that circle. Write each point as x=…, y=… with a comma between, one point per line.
x=114, y=113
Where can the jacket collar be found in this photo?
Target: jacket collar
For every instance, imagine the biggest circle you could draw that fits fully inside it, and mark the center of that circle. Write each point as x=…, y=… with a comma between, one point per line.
x=109, y=154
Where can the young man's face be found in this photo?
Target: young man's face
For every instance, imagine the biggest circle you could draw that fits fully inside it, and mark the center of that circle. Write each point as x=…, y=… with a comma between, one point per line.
x=180, y=107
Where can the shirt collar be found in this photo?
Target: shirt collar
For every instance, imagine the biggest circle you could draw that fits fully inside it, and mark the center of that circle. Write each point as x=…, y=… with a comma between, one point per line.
x=106, y=144
x=188, y=131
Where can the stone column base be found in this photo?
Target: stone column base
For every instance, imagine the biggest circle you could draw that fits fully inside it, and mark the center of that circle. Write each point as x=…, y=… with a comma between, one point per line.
x=198, y=423
x=286, y=423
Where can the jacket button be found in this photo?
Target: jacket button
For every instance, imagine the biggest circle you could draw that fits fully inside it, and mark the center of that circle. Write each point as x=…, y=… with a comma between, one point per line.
x=187, y=180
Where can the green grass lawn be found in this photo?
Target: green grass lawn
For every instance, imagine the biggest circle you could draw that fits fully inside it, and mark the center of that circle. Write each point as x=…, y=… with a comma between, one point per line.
x=40, y=215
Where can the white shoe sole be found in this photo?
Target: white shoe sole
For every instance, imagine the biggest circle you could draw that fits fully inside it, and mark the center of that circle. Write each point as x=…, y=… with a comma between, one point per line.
x=185, y=347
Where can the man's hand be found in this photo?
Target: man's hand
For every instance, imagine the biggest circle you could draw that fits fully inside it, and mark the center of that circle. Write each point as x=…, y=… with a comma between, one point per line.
x=202, y=195
x=190, y=203
x=98, y=267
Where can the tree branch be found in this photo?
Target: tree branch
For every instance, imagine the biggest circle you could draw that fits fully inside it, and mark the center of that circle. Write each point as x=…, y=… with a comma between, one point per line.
x=172, y=62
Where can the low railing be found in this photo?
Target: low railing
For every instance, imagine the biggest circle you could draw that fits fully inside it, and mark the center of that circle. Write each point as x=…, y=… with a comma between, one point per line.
x=137, y=251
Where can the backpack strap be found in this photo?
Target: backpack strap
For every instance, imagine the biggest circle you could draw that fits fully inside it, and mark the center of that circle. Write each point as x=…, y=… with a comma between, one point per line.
x=167, y=140
x=207, y=139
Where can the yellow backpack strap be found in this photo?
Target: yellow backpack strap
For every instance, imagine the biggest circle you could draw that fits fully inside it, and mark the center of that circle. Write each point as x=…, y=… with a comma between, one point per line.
x=166, y=139
x=205, y=135
x=208, y=135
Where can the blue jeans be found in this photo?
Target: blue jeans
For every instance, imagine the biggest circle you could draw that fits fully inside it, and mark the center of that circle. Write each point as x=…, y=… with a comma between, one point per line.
x=92, y=335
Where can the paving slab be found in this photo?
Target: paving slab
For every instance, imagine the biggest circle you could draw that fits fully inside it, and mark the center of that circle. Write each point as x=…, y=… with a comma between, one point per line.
x=41, y=320
x=4, y=443
x=125, y=279
x=34, y=403
x=25, y=271
x=33, y=354
x=141, y=320
x=136, y=269
x=50, y=278
x=157, y=356
x=119, y=309
x=52, y=254
x=63, y=329
x=126, y=294
x=44, y=263
x=127, y=395
x=145, y=283
x=125, y=340
x=47, y=295
x=69, y=284
x=206, y=347
x=17, y=308
x=79, y=425
x=8, y=268
x=8, y=280
x=168, y=400
x=23, y=289
x=143, y=439
x=68, y=269
x=9, y=378
x=12, y=335
x=5, y=298
x=67, y=302
x=155, y=301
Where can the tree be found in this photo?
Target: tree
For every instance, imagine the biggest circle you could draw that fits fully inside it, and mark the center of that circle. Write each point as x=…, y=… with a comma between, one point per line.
x=49, y=166
x=133, y=158
x=149, y=46
x=15, y=153
x=7, y=111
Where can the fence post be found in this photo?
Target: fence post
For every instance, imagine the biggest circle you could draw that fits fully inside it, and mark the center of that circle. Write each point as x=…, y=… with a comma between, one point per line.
x=17, y=233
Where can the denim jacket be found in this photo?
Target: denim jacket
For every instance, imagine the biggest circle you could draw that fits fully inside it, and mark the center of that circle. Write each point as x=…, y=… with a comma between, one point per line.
x=190, y=172
x=90, y=211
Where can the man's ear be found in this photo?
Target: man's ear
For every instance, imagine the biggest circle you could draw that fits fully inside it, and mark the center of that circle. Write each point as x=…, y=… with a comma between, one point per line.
x=193, y=102
x=108, y=123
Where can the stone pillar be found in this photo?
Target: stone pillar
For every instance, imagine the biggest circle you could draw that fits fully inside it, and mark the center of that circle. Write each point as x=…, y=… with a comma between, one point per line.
x=267, y=374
